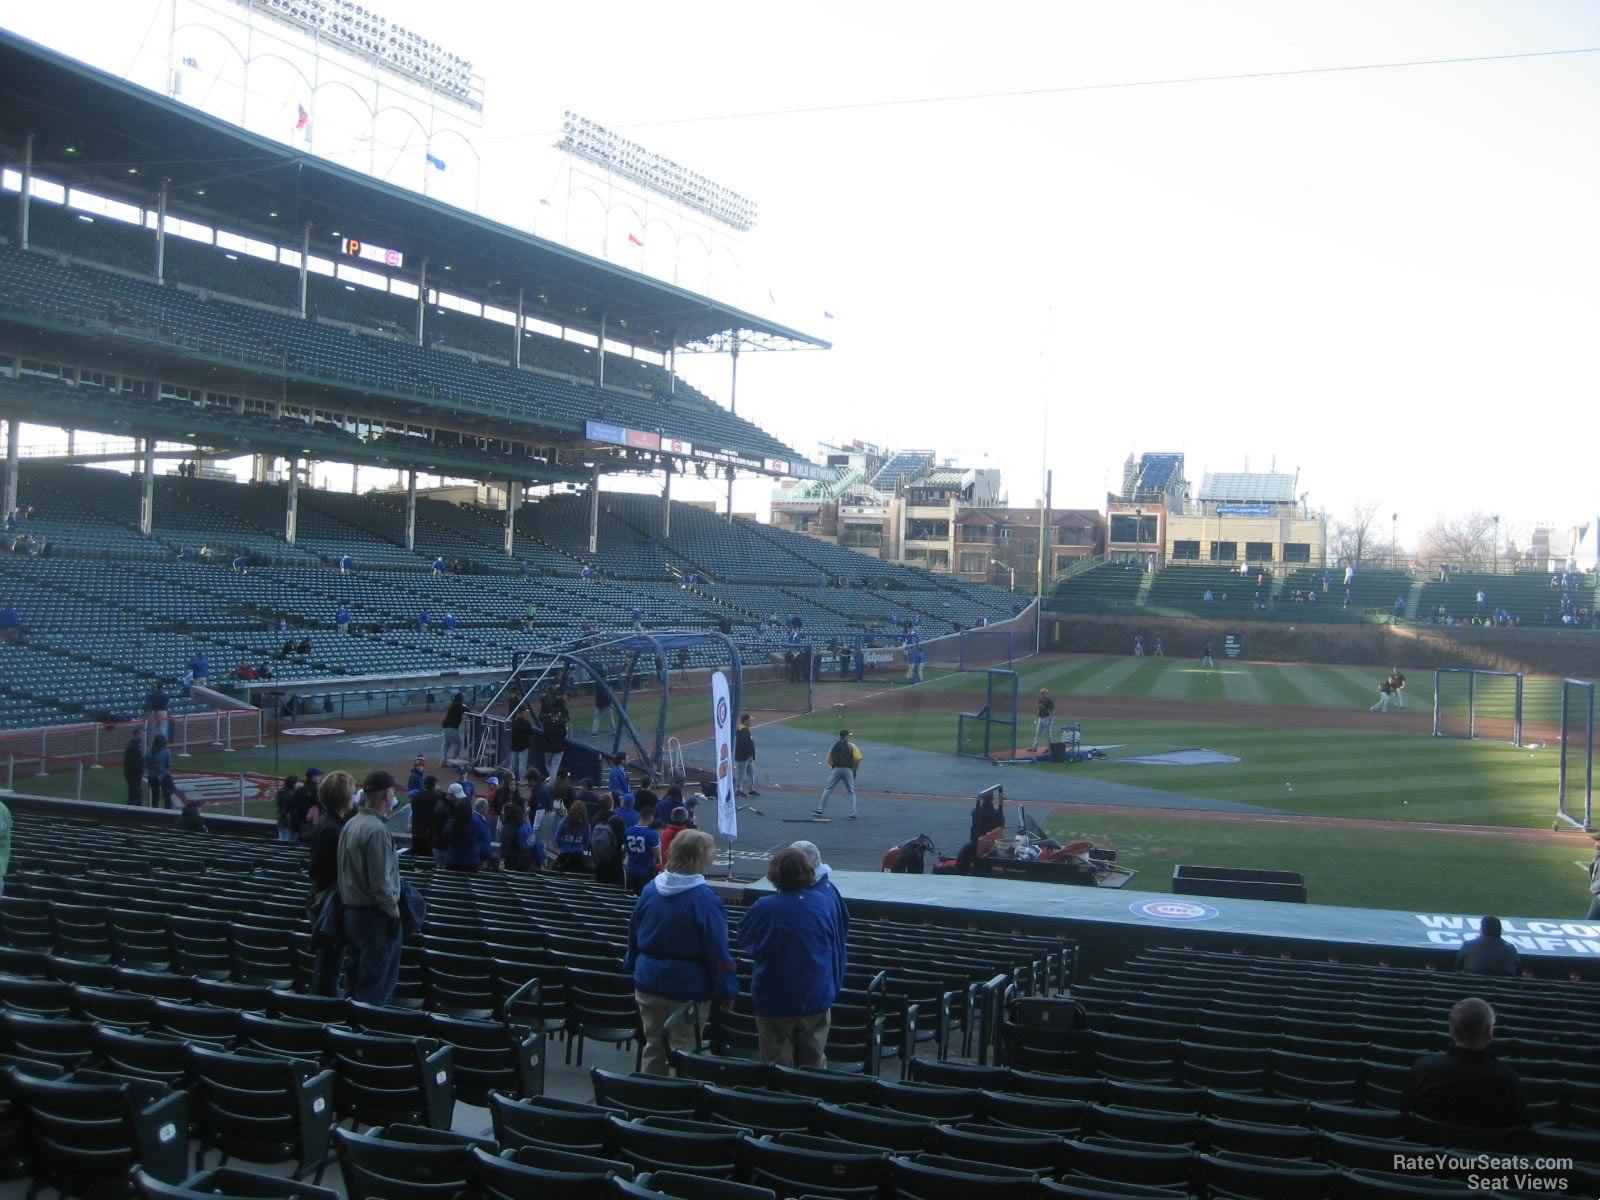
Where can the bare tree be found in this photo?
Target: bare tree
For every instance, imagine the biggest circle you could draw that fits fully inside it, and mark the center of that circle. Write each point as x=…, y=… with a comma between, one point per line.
x=1355, y=539
x=1468, y=539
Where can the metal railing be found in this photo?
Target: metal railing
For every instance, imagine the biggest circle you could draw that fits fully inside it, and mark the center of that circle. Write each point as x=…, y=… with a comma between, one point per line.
x=1079, y=566
x=92, y=745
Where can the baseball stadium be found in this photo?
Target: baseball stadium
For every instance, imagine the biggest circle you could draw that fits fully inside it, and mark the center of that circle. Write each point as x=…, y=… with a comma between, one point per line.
x=1159, y=826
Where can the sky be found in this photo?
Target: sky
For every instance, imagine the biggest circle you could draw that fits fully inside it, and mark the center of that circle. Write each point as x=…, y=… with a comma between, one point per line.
x=1382, y=279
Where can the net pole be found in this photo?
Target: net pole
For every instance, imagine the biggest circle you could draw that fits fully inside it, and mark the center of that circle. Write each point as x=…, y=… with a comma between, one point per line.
x=1589, y=762
x=1472, y=705
x=1561, y=762
x=1437, y=676
x=1516, y=731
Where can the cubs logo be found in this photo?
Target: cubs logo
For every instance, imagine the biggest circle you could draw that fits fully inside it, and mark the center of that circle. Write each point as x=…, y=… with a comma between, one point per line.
x=1172, y=910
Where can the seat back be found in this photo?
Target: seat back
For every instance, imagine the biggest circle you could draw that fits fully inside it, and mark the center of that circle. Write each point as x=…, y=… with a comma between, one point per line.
x=83, y=1138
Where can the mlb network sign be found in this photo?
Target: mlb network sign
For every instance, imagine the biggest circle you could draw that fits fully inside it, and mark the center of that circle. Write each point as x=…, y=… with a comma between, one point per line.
x=1553, y=937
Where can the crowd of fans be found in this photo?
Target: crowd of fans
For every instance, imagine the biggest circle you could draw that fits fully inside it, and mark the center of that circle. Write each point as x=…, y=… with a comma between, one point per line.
x=678, y=947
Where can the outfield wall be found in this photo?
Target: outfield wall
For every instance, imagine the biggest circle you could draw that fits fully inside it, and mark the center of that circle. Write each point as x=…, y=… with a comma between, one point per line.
x=1533, y=651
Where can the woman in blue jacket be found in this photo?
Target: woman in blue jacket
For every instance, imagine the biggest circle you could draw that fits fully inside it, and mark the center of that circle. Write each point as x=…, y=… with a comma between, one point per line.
x=678, y=948
x=572, y=837
x=791, y=937
x=520, y=847
x=467, y=834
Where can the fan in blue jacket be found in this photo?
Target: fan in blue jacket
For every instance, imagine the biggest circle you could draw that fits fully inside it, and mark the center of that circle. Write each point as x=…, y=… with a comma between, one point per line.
x=678, y=949
x=825, y=886
x=791, y=937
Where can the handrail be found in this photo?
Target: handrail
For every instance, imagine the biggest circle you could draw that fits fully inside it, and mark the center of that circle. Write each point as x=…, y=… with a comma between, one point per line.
x=1079, y=566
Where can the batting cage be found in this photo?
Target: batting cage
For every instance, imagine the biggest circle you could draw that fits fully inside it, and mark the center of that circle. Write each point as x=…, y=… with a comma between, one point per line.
x=991, y=732
x=1575, y=786
x=1470, y=703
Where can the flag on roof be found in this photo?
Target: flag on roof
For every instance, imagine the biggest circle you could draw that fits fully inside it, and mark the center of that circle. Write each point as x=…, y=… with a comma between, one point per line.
x=192, y=62
x=304, y=118
x=826, y=315
x=633, y=241
x=435, y=161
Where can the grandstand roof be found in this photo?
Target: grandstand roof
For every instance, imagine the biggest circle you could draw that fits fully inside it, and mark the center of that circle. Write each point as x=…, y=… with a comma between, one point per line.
x=1263, y=488
x=116, y=128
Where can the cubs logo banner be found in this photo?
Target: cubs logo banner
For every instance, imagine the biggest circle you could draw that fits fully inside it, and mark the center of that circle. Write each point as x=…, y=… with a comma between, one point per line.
x=722, y=721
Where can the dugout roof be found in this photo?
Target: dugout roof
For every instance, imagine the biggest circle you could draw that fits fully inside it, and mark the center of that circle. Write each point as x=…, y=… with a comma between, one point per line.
x=125, y=138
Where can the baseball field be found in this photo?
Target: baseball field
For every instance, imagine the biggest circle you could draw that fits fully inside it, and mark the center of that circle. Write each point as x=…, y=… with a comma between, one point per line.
x=1369, y=806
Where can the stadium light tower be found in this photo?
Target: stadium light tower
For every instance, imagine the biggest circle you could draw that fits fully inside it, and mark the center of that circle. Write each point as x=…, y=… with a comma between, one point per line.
x=1007, y=567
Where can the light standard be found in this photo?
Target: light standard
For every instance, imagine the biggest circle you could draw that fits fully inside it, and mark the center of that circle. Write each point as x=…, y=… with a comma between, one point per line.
x=1394, y=541
x=1138, y=536
x=1007, y=567
x=1496, y=543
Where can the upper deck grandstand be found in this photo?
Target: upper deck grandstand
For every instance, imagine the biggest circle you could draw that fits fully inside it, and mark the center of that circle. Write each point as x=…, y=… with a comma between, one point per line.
x=237, y=327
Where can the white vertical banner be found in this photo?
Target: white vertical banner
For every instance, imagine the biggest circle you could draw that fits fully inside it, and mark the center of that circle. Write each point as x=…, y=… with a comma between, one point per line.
x=722, y=720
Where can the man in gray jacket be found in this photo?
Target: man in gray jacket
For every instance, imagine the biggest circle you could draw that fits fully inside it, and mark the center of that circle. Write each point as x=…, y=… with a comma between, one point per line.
x=369, y=886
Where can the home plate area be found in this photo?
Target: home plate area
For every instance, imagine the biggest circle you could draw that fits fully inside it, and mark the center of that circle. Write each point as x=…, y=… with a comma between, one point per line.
x=1181, y=758
x=208, y=787
x=1197, y=757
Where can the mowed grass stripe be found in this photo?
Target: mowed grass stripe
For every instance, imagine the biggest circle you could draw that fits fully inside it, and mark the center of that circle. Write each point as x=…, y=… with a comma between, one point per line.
x=1239, y=682
x=1147, y=676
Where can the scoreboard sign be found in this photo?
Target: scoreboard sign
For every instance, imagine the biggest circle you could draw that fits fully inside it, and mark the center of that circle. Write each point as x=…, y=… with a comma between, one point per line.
x=1232, y=646
x=356, y=248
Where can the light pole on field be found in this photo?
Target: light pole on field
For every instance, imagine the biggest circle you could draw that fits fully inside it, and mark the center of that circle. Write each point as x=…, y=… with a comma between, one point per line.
x=1007, y=567
x=1496, y=543
x=1394, y=541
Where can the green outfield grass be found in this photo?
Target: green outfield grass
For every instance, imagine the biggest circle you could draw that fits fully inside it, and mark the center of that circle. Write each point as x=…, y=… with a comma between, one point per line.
x=1361, y=868
x=1381, y=774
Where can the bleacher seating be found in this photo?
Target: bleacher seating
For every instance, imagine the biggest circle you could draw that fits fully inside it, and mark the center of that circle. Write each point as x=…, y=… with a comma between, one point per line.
x=1109, y=586
x=902, y=465
x=1183, y=588
x=1180, y=588
x=1373, y=593
x=1528, y=596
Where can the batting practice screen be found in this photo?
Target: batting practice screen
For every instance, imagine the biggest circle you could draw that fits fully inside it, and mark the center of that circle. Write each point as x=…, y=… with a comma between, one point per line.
x=1469, y=703
x=991, y=732
x=1575, y=789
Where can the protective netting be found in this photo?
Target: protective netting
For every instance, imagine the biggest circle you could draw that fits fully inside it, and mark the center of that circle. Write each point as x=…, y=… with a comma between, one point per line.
x=1575, y=789
x=1477, y=704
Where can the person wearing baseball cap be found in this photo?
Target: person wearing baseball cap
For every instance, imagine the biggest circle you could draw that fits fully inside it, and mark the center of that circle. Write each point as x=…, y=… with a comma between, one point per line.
x=369, y=886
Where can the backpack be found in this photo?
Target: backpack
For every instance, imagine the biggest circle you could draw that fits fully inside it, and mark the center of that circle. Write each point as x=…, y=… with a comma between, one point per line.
x=603, y=844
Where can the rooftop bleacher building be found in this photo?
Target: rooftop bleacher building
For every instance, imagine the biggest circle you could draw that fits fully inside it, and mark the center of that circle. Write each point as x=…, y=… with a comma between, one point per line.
x=907, y=506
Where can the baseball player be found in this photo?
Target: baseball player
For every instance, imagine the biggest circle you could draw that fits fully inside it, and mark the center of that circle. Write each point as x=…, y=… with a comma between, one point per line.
x=1041, y=724
x=1397, y=688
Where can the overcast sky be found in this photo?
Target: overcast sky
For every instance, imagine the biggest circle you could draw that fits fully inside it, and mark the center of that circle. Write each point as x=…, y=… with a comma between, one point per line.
x=1381, y=278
